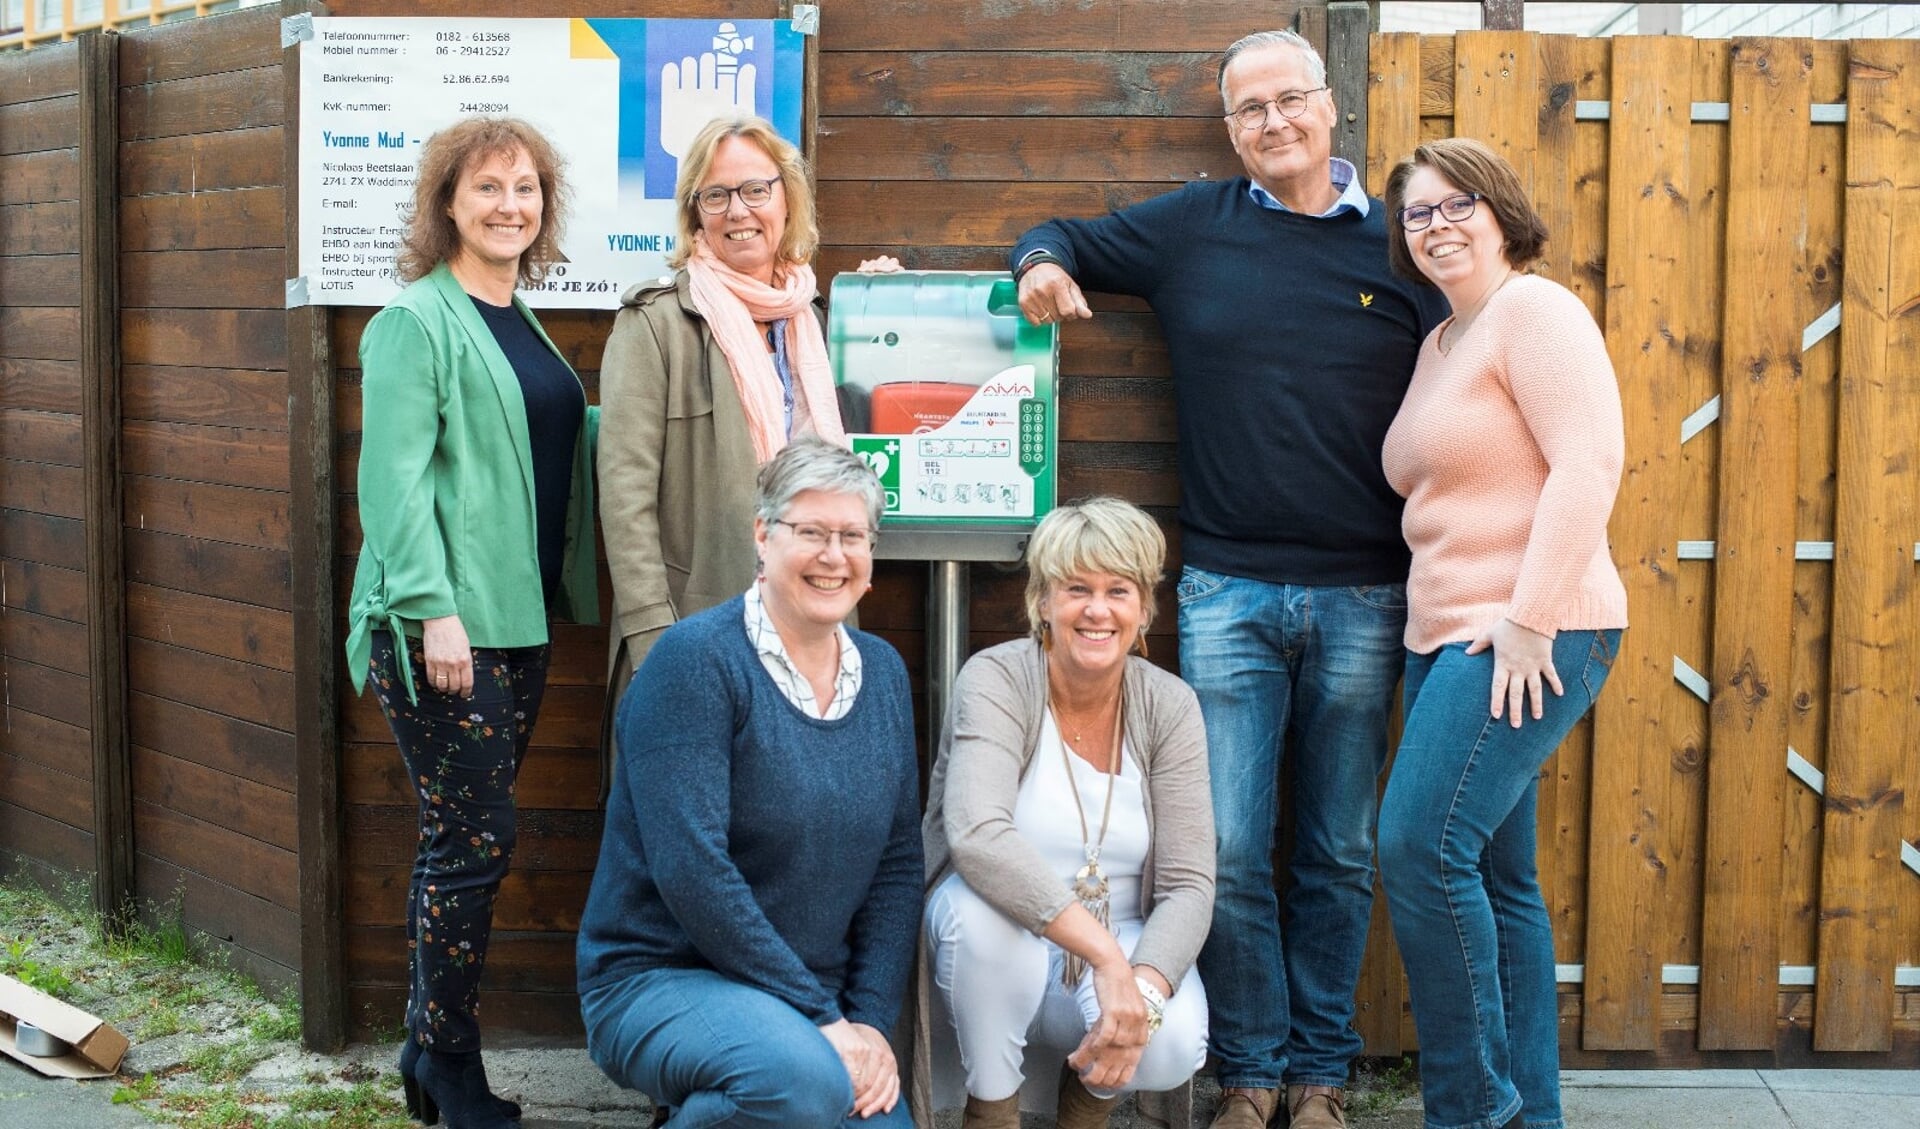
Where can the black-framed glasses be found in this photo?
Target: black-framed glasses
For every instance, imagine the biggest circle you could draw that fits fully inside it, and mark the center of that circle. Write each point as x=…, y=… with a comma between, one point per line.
x=1418, y=217
x=1291, y=105
x=853, y=542
x=752, y=193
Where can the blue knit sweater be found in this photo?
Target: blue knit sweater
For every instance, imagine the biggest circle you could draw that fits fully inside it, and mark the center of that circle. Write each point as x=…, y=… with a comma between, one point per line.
x=743, y=836
x=1292, y=344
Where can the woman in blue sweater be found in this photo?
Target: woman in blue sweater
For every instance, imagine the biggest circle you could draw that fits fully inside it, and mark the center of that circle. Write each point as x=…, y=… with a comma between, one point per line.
x=751, y=925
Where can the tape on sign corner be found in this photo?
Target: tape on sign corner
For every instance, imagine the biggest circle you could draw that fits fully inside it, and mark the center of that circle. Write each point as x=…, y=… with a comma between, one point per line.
x=295, y=29
x=806, y=19
x=297, y=293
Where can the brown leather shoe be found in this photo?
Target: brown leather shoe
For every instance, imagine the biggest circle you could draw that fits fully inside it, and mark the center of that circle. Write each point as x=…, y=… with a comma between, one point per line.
x=1003, y=1114
x=1079, y=1109
x=1245, y=1109
x=1316, y=1107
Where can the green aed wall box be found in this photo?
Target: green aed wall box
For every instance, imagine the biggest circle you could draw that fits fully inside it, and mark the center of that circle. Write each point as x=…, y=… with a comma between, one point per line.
x=950, y=395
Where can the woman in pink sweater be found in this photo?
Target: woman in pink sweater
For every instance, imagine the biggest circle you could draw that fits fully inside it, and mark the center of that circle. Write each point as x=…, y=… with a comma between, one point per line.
x=1508, y=450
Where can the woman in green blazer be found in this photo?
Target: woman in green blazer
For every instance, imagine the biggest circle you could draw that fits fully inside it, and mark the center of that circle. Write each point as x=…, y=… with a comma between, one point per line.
x=476, y=500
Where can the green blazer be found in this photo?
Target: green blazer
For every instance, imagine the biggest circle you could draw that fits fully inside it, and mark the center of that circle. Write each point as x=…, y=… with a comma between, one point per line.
x=446, y=484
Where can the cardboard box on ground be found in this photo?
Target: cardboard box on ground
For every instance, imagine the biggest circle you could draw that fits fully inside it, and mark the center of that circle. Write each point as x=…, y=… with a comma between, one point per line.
x=97, y=1047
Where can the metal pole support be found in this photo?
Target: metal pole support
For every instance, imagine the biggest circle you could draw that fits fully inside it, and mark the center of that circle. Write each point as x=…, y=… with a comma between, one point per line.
x=949, y=592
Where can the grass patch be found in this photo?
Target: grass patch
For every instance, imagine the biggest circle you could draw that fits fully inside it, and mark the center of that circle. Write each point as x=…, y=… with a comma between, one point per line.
x=276, y=1022
x=227, y=1062
x=1380, y=1088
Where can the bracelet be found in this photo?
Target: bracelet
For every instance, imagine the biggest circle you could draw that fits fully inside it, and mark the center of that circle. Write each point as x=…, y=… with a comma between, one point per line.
x=1156, y=1003
x=1033, y=259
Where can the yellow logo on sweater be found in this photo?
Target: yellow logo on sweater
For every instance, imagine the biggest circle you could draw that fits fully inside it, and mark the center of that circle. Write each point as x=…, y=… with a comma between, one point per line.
x=1366, y=299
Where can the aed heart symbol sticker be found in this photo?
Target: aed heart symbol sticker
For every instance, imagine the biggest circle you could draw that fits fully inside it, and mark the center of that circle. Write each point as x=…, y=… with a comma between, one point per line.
x=879, y=461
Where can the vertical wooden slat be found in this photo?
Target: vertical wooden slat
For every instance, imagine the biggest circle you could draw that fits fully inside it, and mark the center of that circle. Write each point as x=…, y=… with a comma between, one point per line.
x=1495, y=85
x=1348, y=73
x=1393, y=105
x=1765, y=314
x=323, y=1000
x=100, y=430
x=1555, y=74
x=1636, y=722
x=1876, y=522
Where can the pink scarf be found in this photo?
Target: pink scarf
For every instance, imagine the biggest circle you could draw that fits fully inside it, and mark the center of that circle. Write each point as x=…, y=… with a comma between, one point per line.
x=731, y=302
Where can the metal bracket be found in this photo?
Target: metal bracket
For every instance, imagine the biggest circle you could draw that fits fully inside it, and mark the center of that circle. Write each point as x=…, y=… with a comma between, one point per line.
x=295, y=29
x=1692, y=679
x=1701, y=417
x=1822, y=113
x=1802, y=550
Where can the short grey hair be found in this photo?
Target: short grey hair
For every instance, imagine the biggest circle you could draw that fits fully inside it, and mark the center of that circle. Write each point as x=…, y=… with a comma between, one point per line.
x=812, y=463
x=1099, y=534
x=1316, y=66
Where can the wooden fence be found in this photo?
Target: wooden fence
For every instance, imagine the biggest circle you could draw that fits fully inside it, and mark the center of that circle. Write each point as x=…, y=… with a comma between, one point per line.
x=1722, y=846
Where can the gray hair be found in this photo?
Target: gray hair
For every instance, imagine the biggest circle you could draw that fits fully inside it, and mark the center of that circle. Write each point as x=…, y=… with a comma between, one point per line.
x=1099, y=534
x=1316, y=67
x=812, y=463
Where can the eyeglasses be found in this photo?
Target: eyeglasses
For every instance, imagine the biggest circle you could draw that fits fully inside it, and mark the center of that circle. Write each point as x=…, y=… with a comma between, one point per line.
x=1418, y=217
x=752, y=193
x=1291, y=105
x=853, y=542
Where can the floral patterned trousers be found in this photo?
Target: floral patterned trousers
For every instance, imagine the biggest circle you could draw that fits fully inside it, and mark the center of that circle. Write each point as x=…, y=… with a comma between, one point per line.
x=462, y=757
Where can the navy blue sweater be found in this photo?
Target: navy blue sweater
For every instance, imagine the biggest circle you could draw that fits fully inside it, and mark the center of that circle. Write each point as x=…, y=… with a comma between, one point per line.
x=1292, y=344
x=743, y=836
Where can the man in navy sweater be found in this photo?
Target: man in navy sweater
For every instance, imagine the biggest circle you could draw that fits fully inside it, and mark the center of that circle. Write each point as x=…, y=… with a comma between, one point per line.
x=1291, y=345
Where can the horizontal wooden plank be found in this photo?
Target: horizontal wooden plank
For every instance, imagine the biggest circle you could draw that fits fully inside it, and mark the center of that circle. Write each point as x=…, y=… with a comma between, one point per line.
x=51, y=71
x=229, y=745
x=569, y=717
x=201, y=162
x=194, y=452
x=1032, y=84
x=656, y=9
x=1119, y=409
x=541, y=901
x=549, y=840
x=67, y=850
x=43, y=538
x=52, y=794
x=250, y=339
x=206, y=510
x=256, y=937
x=245, y=99
x=58, y=643
x=36, y=127
x=44, y=589
x=229, y=41
x=254, y=398
x=41, y=384
x=39, y=178
x=52, y=228
x=980, y=25
x=516, y=961
x=1166, y=150
x=42, y=488
x=374, y=1008
x=40, y=437
x=53, y=744
x=235, y=689
x=40, y=280
x=239, y=217
x=246, y=632
x=215, y=852
x=249, y=278
x=47, y=691
x=239, y=573
x=40, y=333
x=373, y=773
x=231, y=802
x=991, y=212
x=578, y=334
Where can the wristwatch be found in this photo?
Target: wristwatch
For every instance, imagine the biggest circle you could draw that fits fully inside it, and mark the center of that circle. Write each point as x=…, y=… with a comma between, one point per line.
x=1033, y=259
x=1156, y=1003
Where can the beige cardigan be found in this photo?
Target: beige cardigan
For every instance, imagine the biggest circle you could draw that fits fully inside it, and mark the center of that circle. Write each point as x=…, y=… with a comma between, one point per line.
x=989, y=741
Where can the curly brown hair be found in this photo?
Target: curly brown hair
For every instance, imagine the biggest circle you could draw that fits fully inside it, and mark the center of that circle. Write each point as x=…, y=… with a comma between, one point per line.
x=432, y=238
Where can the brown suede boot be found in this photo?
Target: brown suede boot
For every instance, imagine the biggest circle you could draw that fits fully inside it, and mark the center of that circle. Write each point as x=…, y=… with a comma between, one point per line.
x=1079, y=1109
x=1003, y=1114
x=1245, y=1109
x=1316, y=1107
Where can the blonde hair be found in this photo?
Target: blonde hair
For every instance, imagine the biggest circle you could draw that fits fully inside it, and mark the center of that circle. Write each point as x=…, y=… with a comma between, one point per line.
x=802, y=234
x=1101, y=534
x=432, y=238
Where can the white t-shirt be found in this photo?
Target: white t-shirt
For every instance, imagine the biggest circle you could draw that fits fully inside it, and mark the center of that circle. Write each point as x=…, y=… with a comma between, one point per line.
x=1044, y=816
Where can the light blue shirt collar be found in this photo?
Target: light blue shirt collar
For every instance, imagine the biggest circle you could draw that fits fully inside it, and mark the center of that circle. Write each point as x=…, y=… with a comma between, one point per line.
x=1344, y=176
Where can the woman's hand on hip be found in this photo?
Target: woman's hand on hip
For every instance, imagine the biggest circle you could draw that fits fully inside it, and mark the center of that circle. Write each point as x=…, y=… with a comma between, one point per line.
x=1522, y=668
x=1106, y=1058
x=868, y=1057
x=443, y=640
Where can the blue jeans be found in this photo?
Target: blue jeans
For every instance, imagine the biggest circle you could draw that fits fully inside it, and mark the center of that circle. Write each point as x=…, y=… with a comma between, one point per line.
x=1310, y=669
x=721, y=1053
x=1457, y=861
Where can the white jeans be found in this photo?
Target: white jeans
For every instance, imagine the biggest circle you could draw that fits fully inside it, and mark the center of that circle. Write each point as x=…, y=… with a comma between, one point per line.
x=1001, y=985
